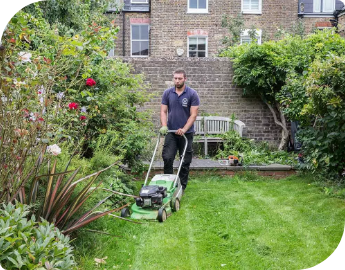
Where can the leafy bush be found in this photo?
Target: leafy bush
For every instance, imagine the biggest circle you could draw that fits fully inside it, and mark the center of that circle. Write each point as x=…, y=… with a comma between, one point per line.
x=57, y=88
x=253, y=153
x=27, y=244
x=324, y=140
x=301, y=79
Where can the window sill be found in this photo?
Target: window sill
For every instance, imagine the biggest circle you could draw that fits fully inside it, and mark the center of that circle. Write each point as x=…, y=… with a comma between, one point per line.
x=316, y=15
x=139, y=56
x=252, y=12
x=197, y=11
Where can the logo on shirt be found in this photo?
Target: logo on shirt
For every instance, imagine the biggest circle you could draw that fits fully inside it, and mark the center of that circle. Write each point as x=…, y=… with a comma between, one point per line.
x=185, y=102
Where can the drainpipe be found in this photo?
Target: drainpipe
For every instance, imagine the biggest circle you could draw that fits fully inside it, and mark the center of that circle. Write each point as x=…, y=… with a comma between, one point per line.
x=334, y=21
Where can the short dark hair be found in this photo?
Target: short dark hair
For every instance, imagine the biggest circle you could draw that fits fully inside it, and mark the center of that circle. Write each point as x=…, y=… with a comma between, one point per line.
x=180, y=71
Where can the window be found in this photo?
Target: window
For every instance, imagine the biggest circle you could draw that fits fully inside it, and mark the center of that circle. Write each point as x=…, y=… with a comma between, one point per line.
x=197, y=46
x=197, y=6
x=324, y=6
x=139, y=1
x=140, y=40
x=251, y=6
x=245, y=36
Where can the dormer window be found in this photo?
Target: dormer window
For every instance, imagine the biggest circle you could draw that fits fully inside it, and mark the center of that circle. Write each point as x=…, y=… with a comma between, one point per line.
x=324, y=6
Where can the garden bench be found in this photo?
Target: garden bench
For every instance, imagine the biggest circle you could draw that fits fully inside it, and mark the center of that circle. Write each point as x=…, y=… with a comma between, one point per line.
x=208, y=127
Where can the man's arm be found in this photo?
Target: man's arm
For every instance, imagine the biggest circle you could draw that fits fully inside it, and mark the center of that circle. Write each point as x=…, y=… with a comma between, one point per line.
x=164, y=115
x=190, y=121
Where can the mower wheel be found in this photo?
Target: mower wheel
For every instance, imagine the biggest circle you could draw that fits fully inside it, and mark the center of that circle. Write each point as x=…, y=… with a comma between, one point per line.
x=175, y=205
x=125, y=212
x=162, y=215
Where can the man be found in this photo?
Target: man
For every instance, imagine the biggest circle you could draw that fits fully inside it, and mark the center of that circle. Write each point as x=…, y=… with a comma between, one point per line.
x=179, y=110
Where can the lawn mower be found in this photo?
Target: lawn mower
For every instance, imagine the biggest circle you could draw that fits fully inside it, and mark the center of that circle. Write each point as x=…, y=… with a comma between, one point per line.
x=158, y=199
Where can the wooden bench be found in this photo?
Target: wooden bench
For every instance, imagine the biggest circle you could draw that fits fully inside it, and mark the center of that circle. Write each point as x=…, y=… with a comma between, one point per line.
x=208, y=127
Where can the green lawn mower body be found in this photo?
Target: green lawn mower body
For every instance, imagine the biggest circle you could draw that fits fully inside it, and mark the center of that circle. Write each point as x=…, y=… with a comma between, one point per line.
x=161, y=197
x=170, y=199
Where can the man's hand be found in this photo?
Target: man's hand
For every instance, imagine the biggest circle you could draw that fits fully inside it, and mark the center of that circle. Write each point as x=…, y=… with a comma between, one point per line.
x=180, y=131
x=163, y=130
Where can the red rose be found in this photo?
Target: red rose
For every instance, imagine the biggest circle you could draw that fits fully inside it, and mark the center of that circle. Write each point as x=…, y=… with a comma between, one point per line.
x=90, y=82
x=83, y=117
x=40, y=119
x=73, y=106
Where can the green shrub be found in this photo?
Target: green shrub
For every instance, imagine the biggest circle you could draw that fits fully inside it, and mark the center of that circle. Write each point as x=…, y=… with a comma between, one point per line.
x=27, y=244
x=324, y=140
x=253, y=153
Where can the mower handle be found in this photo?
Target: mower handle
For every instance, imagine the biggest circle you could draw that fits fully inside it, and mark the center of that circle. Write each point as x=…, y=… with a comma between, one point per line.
x=154, y=154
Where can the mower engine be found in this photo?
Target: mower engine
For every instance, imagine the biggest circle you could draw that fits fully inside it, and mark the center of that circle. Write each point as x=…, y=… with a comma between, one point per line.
x=151, y=196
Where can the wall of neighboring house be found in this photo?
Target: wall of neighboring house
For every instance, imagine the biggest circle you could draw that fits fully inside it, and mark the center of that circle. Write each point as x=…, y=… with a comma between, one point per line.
x=212, y=79
x=171, y=23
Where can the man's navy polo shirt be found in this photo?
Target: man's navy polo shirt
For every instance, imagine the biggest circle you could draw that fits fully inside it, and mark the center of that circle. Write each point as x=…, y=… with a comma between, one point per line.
x=179, y=107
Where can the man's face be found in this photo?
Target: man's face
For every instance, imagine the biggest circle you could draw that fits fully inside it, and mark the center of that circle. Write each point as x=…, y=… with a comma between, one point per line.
x=179, y=80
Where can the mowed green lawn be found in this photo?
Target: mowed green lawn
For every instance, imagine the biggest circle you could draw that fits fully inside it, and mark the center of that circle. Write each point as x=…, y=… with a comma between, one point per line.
x=242, y=222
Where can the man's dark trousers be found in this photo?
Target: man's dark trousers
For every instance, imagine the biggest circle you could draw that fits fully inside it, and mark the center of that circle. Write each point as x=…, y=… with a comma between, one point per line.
x=172, y=143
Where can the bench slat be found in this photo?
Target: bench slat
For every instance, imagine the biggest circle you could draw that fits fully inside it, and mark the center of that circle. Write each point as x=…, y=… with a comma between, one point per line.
x=213, y=125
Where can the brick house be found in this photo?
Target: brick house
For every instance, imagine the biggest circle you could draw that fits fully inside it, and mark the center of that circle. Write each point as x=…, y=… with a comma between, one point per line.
x=158, y=36
x=193, y=28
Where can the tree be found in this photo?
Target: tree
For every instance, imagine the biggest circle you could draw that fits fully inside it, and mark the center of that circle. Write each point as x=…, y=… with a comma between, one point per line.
x=256, y=71
x=266, y=70
x=72, y=16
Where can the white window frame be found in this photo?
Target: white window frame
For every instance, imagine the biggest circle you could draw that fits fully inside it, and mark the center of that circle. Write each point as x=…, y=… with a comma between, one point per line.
x=198, y=10
x=245, y=33
x=140, y=40
x=136, y=2
x=250, y=11
x=319, y=4
x=206, y=45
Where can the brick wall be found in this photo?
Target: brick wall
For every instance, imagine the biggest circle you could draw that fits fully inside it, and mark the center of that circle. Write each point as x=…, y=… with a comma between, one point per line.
x=212, y=79
x=170, y=22
x=311, y=23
